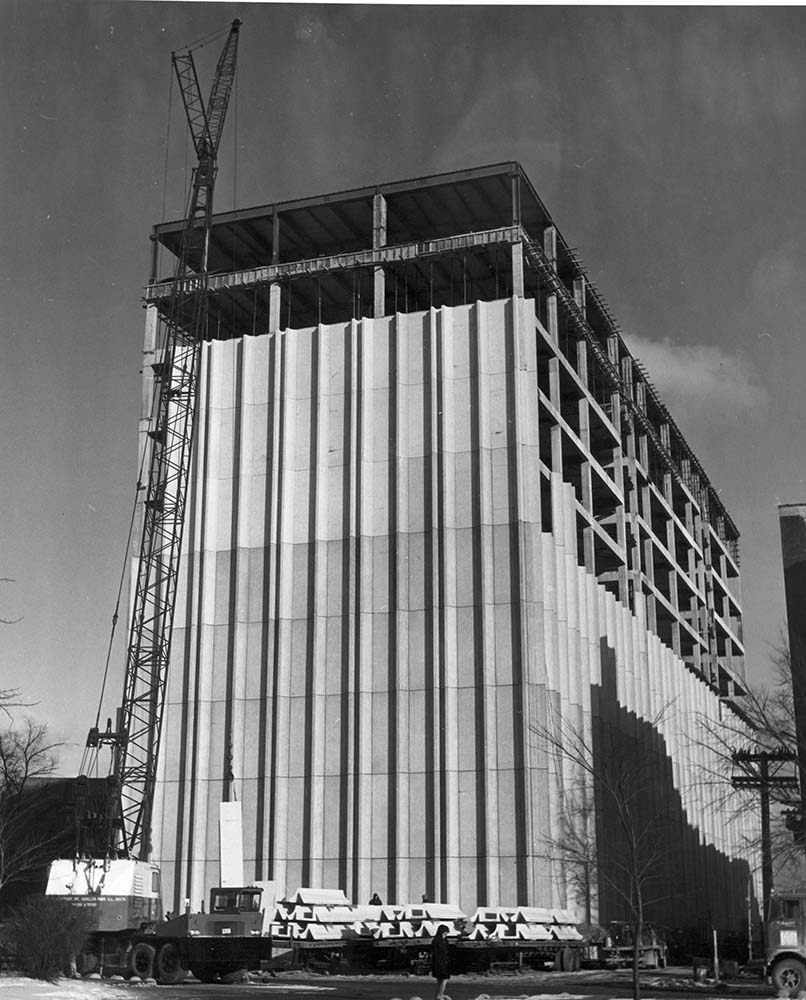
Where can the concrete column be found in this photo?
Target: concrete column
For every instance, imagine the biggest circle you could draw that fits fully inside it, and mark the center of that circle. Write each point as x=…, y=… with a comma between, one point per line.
x=580, y=286
x=588, y=550
x=379, y=240
x=515, y=188
x=274, y=287
x=550, y=249
x=274, y=307
x=583, y=408
x=517, y=248
x=517, y=270
x=627, y=375
x=550, y=244
x=554, y=383
x=639, y=389
x=155, y=253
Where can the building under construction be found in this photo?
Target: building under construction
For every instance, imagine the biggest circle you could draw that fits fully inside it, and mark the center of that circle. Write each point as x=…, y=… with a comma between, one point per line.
x=436, y=510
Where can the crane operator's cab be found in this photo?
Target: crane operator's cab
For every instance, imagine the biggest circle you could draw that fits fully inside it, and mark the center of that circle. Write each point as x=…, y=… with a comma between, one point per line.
x=124, y=894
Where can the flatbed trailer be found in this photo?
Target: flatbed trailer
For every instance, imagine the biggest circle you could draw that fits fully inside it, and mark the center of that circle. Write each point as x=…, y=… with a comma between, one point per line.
x=408, y=953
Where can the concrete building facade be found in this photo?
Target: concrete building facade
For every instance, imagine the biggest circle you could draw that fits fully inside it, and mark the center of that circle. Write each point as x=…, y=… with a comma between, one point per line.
x=435, y=506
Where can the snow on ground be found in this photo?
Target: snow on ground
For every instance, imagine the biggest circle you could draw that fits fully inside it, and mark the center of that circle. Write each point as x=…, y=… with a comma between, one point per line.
x=20, y=988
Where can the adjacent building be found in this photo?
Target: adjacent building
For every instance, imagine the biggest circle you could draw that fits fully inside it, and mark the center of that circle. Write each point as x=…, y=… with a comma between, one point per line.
x=436, y=510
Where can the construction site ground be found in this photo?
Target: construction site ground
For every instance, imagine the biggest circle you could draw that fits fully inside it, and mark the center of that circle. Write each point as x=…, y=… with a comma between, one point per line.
x=531, y=985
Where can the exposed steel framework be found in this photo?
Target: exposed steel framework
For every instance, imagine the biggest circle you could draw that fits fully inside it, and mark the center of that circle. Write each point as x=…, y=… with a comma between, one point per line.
x=182, y=329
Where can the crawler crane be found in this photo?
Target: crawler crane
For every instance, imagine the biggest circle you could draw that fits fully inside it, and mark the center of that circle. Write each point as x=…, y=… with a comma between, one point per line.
x=111, y=871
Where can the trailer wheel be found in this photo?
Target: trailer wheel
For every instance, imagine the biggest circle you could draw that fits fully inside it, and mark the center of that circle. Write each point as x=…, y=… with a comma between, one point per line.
x=141, y=960
x=170, y=966
x=789, y=975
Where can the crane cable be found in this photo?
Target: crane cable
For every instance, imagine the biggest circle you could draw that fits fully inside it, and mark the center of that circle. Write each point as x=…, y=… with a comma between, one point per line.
x=86, y=756
x=167, y=147
x=85, y=760
x=204, y=40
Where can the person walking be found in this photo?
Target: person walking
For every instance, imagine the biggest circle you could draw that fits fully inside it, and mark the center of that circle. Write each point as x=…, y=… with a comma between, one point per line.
x=441, y=961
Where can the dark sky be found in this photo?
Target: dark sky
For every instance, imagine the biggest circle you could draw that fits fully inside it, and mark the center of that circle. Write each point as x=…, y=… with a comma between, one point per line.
x=668, y=143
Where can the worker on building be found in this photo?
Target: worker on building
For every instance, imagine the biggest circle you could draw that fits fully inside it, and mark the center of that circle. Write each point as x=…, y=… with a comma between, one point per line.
x=441, y=961
x=376, y=900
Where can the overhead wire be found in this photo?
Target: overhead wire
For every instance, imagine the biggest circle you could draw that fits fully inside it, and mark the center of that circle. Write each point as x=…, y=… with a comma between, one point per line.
x=204, y=40
x=167, y=147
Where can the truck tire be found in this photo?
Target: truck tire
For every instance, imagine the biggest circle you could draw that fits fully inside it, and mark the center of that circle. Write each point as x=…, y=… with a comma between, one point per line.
x=789, y=976
x=170, y=966
x=141, y=960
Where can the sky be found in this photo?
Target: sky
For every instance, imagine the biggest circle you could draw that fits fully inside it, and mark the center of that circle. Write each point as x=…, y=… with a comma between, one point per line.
x=667, y=143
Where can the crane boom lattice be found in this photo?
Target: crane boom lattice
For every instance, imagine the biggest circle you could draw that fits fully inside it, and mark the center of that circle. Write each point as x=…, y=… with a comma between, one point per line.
x=183, y=327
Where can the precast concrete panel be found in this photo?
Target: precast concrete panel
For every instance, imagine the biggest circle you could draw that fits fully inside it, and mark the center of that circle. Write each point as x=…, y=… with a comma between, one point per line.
x=377, y=619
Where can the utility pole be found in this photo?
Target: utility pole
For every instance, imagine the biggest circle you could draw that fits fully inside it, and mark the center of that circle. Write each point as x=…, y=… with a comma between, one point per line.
x=764, y=770
x=792, y=518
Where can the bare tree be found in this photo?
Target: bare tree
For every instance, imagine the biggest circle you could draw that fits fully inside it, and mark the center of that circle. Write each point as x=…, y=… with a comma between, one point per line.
x=27, y=755
x=573, y=849
x=613, y=830
x=9, y=697
x=3, y=620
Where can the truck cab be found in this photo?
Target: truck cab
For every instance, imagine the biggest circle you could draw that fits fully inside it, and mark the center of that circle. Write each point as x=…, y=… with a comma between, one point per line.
x=227, y=938
x=235, y=899
x=785, y=942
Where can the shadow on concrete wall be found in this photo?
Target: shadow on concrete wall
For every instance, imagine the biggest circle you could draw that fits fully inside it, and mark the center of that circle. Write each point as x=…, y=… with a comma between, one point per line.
x=693, y=885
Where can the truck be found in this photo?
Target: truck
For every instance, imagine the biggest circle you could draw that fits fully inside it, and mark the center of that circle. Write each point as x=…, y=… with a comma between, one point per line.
x=785, y=942
x=617, y=948
x=110, y=870
x=133, y=937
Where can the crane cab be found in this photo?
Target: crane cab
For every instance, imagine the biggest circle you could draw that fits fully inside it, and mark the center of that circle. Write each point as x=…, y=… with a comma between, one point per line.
x=125, y=894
